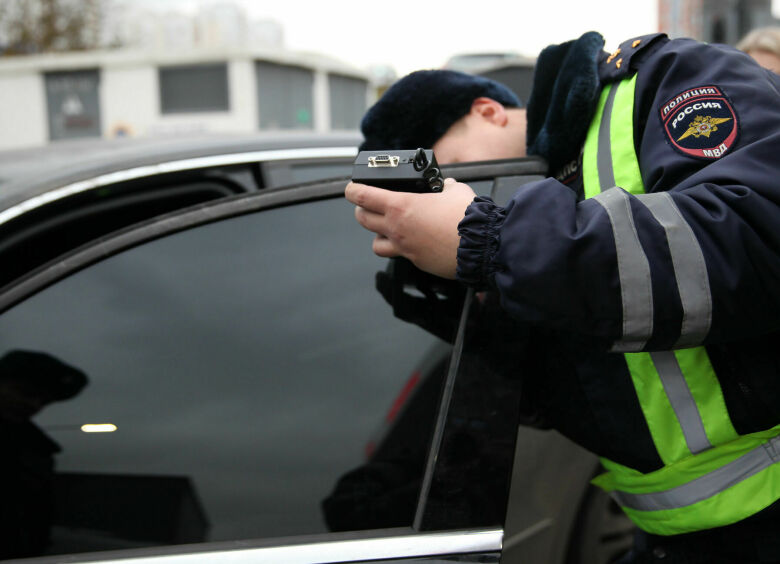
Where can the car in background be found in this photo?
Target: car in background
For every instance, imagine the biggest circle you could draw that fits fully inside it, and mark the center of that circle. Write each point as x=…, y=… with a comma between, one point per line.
x=202, y=361
x=510, y=68
x=476, y=62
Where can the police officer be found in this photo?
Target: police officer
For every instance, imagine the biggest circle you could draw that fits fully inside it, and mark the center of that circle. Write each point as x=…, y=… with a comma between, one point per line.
x=653, y=250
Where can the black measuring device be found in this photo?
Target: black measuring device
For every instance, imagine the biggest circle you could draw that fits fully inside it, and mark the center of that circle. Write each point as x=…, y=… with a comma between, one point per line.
x=408, y=170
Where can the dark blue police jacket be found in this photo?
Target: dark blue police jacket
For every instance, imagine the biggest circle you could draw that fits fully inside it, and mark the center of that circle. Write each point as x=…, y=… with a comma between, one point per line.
x=551, y=257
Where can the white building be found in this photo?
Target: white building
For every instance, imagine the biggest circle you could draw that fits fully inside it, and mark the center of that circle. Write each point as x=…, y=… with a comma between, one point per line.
x=112, y=93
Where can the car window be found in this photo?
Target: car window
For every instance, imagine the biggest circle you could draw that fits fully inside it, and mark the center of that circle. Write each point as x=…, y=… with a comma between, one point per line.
x=468, y=486
x=240, y=379
x=286, y=173
x=41, y=235
x=474, y=452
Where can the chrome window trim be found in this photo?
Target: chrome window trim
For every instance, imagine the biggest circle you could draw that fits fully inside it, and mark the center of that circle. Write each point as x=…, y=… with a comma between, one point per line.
x=173, y=166
x=354, y=550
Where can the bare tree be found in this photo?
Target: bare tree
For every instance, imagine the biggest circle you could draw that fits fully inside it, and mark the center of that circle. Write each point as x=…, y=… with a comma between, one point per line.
x=46, y=26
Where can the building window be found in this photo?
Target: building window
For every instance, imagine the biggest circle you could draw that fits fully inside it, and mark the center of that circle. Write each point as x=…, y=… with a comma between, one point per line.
x=285, y=97
x=73, y=104
x=347, y=101
x=194, y=88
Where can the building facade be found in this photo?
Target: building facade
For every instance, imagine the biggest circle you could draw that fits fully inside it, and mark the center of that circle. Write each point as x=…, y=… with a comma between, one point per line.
x=714, y=21
x=119, y=93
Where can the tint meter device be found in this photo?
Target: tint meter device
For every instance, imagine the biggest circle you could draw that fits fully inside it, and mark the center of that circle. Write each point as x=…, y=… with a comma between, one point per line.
x=409, y=170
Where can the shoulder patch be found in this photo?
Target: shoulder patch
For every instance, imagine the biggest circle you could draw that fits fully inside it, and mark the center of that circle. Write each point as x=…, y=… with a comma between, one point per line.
x=700, y=122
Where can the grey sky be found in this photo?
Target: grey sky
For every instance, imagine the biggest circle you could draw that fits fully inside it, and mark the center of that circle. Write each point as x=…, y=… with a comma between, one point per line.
x=413, y=35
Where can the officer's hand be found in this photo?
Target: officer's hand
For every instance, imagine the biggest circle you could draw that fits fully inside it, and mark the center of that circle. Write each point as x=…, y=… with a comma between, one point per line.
x=420, y=227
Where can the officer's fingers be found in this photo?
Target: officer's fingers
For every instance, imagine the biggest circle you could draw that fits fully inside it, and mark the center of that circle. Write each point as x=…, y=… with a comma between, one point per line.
x=370, y=220
x=368, y=197
x=384, y=247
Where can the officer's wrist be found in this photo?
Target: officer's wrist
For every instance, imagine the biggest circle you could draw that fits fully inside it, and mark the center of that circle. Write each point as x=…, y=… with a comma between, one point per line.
x=479, y=242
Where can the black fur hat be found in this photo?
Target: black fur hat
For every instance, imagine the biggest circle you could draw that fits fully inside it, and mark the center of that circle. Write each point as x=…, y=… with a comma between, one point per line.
x=419, y=108
x=41, y=375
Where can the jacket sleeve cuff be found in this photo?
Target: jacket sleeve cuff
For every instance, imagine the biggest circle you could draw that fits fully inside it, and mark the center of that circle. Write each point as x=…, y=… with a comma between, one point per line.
x=479, y=240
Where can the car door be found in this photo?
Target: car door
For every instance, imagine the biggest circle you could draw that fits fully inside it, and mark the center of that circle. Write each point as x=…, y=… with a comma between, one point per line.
x=233, y=365
x=231, y=382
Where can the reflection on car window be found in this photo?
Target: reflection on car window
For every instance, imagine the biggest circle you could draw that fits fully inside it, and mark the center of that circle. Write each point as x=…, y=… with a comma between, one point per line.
x=309, y=172
x=471, y=477
x=469, y=483
x=284, y=173
x=243, y=379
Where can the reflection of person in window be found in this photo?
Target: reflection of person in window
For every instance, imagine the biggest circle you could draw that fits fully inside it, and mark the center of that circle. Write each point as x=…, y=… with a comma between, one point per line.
x=28, y=382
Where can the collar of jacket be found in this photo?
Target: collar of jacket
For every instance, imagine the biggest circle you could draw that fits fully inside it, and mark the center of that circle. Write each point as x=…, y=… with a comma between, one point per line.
x=564, y=96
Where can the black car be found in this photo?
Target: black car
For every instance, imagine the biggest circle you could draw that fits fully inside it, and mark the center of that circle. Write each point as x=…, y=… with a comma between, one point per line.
x=238, y=378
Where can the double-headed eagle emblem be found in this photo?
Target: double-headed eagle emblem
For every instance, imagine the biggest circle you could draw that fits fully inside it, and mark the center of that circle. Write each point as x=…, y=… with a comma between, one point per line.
x=702, y=125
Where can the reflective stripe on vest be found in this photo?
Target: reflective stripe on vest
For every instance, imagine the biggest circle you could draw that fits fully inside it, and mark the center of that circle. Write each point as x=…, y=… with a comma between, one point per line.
x=711, y=476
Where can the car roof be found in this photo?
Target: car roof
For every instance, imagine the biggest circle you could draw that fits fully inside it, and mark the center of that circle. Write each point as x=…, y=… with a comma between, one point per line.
x=26, y=173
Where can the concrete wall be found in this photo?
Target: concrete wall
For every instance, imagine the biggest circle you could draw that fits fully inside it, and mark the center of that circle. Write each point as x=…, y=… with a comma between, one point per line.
x=127, y=100
x=321, y=102
x=23, y=120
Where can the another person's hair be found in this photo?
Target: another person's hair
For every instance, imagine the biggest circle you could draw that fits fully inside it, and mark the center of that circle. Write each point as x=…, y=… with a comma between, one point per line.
x=761, y=39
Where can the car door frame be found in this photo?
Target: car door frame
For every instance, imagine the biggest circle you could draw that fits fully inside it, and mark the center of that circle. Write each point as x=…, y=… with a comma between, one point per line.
x=334, y=547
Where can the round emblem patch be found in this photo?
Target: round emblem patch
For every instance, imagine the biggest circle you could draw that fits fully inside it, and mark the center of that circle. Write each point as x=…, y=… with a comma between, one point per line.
x=700, y=122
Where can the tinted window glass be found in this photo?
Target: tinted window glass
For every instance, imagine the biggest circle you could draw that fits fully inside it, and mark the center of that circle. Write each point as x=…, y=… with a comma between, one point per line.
x=41, y=235
x=194, y=88
x=470, y=481
x=318, y=171
x=246, y=378
x=285, y=173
